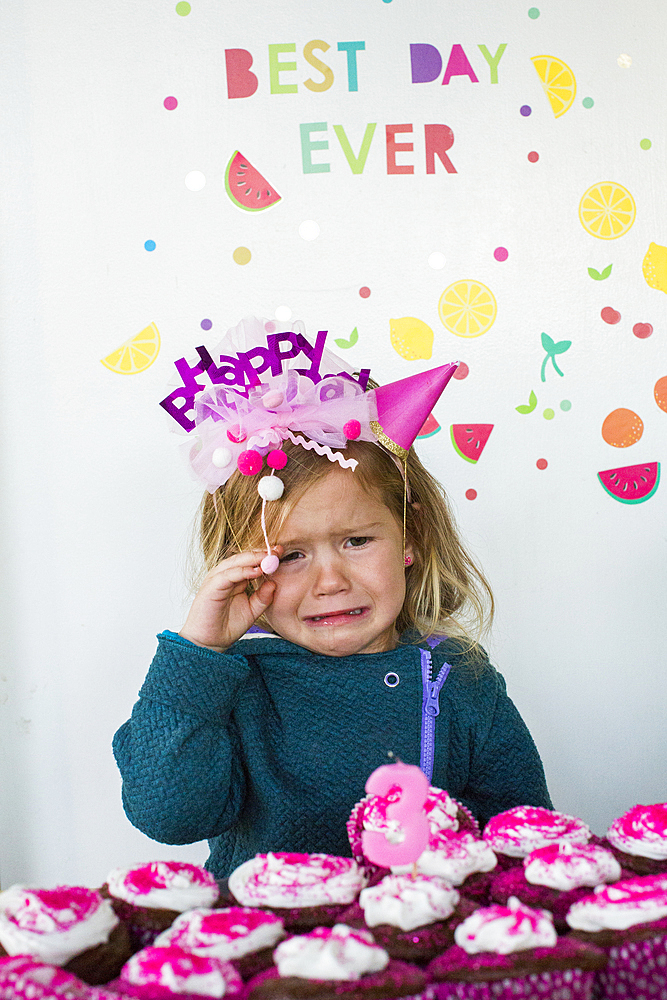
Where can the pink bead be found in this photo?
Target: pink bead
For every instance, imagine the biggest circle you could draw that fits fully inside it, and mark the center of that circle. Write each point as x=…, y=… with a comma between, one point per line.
x=273, y=399
x=236, y=434
x=352, y=430
x=249, y=462
x=269, y=564
x=276, y=459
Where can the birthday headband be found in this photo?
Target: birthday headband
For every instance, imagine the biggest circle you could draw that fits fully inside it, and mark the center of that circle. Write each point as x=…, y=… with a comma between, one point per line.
x=266, y=387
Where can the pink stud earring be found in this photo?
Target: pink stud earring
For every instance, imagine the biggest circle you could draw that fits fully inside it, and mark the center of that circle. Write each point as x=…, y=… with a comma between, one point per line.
x=408, y=560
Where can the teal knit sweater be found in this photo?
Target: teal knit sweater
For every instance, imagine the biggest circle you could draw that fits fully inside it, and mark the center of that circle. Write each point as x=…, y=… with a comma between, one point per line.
x=268, y=746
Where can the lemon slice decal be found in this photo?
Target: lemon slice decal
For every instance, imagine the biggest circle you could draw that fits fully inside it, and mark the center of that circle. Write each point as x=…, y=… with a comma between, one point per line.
x=607, y=210
x=136, y=354
x=411, y=337
x=467, y=308
x=558, y=82
x=654, y=267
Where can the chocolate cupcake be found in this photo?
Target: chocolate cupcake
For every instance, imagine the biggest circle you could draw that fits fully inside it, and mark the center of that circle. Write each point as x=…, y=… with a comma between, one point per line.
x=554, y=877
x=26, y=978
x=304, y=890
x=148, y=897
x=236, y=934
x=175, y=974
x=513, y=834
x=638, y=838
x=628, y=921
x=68, y=926
x=330, y=963
x=413, y=919
x=513, y=951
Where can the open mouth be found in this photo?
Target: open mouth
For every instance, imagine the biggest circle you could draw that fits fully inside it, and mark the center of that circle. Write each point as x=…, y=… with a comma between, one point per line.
x=337, y=617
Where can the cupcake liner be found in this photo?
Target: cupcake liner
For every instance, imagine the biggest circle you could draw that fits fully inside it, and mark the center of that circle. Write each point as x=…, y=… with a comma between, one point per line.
x=636, y=970
x=559, y=984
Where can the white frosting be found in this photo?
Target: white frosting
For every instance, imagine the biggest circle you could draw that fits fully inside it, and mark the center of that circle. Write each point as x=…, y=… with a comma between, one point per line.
x=181, y=972
x=566, y=866
x=453, y=857
x=295, y=880
x=225, y=933
x=622, y=905
x=518, y=831
x=29, y=926
x=506, y=929
x=330, y=953
x=642, y=831
x=164, y=885
x=407, y=903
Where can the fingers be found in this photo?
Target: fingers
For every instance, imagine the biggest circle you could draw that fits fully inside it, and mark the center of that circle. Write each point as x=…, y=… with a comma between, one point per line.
x=238, y=569
x=262, y=598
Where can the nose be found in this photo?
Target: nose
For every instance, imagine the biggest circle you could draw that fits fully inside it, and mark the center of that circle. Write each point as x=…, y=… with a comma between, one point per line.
x=329, y=576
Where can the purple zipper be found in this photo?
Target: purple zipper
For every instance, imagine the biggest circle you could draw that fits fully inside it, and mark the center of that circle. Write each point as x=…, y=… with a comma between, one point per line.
x=430, y=709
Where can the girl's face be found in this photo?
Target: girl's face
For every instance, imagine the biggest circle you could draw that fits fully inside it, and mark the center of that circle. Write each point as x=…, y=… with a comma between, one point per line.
x=340, y=585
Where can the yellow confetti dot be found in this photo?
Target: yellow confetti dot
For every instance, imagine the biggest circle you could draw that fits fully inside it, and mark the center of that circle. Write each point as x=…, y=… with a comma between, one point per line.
x=242, y=255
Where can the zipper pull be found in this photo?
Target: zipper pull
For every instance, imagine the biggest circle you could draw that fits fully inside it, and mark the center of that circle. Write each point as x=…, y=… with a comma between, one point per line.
x=431, y=705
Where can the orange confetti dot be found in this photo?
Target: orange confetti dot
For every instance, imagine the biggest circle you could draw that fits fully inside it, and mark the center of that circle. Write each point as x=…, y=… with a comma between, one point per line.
x=622, y=427
x=660, y=393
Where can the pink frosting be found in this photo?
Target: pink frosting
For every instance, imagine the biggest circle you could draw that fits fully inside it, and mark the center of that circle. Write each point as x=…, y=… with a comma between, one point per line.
x=54, y=909
x=516, y=832
x=641, y=831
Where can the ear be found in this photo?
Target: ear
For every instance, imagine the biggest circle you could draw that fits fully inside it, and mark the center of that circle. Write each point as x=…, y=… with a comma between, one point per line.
x=409, y=551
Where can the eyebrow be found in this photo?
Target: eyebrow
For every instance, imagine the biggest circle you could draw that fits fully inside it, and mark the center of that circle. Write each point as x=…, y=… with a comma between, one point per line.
x=357, y=532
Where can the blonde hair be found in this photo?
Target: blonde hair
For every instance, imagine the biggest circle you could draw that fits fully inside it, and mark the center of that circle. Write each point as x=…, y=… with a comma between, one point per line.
x=446, y=592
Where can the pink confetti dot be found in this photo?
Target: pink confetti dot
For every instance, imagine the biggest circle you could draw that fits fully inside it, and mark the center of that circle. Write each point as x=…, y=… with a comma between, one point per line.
x=462, y=371
x=471, y=494
x=500, y=253
x=642, y=330
x=270, y=326
x=364, y=291
x=610, y=315
x=533, y=156
x=170, y=103
x=541, y=463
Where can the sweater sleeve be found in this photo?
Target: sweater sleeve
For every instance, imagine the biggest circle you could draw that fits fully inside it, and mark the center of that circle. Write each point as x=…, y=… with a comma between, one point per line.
x=178, y=754
x=505, y=766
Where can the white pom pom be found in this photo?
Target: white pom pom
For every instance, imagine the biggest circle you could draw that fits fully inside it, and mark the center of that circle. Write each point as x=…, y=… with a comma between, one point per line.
x=269, y=564
x=221, y=457
x=270, y=488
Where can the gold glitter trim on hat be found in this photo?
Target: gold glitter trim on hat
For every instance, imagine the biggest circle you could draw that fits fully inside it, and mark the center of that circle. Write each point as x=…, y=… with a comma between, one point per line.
x=390, y=445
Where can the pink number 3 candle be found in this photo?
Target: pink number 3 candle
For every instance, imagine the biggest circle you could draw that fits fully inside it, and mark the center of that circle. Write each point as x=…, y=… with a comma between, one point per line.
x=408, y=812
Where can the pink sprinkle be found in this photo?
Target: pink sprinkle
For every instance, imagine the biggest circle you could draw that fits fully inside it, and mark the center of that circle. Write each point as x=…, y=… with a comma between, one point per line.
x=352, y=430
x=249, y=462
x=364, y=291
x=170, y=103
x=500, y=253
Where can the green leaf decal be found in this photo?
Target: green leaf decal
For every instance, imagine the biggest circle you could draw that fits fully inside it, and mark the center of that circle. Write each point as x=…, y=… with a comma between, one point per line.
x=600, y=275
x=547, y=343
x=561, y=347
x=528, y=407
x=354, y=337
x=606, y=272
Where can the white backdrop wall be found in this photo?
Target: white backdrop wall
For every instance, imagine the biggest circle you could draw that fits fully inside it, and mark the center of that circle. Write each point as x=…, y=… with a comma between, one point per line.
x=96, y=502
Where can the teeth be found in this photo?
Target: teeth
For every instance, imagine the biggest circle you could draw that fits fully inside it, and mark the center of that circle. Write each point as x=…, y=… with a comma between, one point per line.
x=319, y=618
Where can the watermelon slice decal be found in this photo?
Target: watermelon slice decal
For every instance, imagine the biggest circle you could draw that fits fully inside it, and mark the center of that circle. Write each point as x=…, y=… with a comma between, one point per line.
x=429, y=427
x=246, y=187
x=632, y=483
x=469, y=440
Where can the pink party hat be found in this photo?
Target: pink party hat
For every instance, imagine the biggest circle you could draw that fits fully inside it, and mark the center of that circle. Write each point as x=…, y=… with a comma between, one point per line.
x=404, y=406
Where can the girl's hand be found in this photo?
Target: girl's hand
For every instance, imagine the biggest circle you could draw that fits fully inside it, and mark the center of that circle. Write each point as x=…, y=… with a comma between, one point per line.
x=222, y=611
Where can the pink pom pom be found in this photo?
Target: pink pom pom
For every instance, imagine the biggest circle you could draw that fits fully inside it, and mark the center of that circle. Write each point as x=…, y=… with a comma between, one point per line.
x=276, y=459
x=269, y=564
x=236, y=434
x=352, y=430
x=249, y=462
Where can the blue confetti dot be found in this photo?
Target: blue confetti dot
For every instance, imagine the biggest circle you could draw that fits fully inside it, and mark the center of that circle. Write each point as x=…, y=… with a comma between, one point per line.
x=149, y=245
x=526, y=110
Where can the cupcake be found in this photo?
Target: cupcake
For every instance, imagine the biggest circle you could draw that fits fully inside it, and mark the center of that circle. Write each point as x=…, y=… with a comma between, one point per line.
x=68, y=926
x=628, y=920
x=26, y=978
x=639, y=839
x=556, y=876
x=148, y=897
x=510, y=951
x=516, y=832
x=236, y=934
x=334, y=962
x=444, y=814
x=413, y=919
x=304, y=890
x=175, y=974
